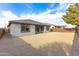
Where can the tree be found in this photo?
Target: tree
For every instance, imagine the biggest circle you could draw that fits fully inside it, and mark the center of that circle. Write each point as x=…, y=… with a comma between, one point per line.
x=72, y=15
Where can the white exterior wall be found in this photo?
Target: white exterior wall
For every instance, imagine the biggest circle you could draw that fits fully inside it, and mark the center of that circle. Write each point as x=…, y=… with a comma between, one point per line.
x=15, y=30
x=45, y=30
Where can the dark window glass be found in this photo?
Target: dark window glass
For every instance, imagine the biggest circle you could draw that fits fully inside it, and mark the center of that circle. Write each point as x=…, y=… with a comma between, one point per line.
x=47, y=28
x=25, y=28
x=42, y=28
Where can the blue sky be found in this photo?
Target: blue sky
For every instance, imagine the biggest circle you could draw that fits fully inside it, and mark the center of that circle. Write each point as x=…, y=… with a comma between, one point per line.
x=43, y=12
x=19, y=8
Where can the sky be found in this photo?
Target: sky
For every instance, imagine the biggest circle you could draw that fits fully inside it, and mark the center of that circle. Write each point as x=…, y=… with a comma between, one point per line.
x=42, y=12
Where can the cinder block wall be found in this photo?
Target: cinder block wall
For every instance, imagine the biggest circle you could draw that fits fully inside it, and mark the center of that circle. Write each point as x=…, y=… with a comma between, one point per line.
x=63, y=30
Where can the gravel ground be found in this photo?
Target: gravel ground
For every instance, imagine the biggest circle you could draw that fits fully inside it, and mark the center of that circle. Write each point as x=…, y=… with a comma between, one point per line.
x=53, y=43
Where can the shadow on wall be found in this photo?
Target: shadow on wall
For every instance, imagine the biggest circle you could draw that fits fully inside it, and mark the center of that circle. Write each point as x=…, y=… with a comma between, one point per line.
x=75, y=47
x=54, y=49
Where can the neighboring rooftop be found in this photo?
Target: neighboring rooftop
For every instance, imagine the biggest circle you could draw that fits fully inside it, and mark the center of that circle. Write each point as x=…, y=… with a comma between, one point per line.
x=27, y=21
x=70, y=26
x=65, y=25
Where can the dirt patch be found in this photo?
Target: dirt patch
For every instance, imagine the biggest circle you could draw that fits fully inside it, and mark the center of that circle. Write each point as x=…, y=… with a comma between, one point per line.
x=45, y=44
x=45, y=38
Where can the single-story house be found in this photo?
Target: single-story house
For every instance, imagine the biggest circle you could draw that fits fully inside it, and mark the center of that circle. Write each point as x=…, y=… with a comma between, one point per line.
x=27, y=27
x=57, y=28
x=62, y=27
x=69, y=26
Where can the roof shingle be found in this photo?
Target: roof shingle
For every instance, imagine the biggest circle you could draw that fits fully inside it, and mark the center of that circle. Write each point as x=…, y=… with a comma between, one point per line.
x=27, y=21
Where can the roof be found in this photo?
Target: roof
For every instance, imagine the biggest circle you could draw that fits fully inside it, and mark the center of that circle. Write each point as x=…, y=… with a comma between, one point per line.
x=28, y=21
x=59, y=25
x=70, y=26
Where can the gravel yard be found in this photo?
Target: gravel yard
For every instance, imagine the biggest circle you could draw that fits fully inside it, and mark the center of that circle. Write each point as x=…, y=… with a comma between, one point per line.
x=53, y=43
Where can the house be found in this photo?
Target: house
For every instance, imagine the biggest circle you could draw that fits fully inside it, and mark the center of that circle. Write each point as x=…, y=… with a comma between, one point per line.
x=70, y=27
x=27, y=27
x=63, y=28
x=57, y=28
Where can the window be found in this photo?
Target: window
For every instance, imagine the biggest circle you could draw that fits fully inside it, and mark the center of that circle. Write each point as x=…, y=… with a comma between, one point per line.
x=25, y=28
x=42, y=28
x=47, y=28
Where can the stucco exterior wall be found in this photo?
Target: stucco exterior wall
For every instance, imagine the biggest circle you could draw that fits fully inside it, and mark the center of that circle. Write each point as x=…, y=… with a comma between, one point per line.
x=15, y=30
x=45, y=30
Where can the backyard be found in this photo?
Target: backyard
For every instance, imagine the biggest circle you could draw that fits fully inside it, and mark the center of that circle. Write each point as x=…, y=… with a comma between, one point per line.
x=52, y=43
x=46, y=38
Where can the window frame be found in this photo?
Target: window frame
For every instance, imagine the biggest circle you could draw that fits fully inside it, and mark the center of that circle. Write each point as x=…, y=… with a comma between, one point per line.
x=42, y=28
x=47, y=28
x=26, y=26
